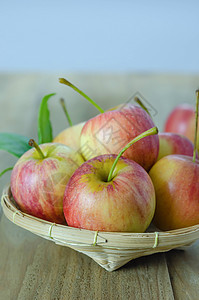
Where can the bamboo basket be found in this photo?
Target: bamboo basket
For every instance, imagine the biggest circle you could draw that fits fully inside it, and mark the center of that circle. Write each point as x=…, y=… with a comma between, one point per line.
x=110, y=250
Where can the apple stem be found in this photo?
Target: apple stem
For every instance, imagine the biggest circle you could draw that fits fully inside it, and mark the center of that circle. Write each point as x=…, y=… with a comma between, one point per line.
x=66, y=112
x=196, y=127
x=141, y=104
x=151, y=131
x=32, y=143
x=6, y=170
x=66, y=82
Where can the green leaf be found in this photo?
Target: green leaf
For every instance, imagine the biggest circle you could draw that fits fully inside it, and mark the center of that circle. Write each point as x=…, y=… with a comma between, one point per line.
x=14, y=143
x=44, y=124
x=6, y=170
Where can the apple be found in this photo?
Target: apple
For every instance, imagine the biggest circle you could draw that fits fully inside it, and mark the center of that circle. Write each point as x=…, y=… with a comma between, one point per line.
x=176, y=182
x=70, y=136
x=110, y=193
x=172, y=143
x=182, y=120
x=108, y=132
x=39, y=178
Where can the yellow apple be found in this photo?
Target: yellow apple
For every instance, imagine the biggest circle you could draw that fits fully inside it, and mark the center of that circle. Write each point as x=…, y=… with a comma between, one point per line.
x=70, y=136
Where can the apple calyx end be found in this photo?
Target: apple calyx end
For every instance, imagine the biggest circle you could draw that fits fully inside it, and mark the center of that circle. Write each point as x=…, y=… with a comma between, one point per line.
x=156, y=130
x=32, y=143
x=141, y=104
x=62, y=101
x=64, y=81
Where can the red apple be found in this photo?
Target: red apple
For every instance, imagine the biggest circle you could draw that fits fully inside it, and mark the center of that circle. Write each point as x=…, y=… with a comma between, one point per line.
x=70, y=136
x=172, y=143
x=176, y=182
x=107, y=133
x=182, y=120
x=38, y=180
x=110, y=193
x=126, y=203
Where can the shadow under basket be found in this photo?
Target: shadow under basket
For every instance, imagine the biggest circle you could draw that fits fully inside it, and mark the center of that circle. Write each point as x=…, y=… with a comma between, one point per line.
x=110, y=250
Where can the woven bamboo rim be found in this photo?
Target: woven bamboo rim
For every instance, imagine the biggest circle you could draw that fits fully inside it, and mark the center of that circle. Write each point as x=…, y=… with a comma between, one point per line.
x=111, y=250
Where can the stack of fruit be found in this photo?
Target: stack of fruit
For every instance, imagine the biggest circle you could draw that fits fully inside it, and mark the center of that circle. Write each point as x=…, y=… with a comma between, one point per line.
x=113, y=172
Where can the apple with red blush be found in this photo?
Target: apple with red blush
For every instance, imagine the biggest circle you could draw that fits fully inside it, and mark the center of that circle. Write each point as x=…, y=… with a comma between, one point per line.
x=173, y=143
x=181, y=120
x=176, y=182
x=108, y=132
x=39, y=178
x=111, y=193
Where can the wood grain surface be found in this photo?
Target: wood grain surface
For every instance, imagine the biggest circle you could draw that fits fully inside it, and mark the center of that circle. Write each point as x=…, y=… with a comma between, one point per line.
x=33, y=268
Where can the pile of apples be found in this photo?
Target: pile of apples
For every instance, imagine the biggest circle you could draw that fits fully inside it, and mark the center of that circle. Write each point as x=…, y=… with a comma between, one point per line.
x=121, y=183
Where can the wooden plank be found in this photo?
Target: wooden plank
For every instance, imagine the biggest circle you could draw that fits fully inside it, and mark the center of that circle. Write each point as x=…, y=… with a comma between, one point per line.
x=16, y=253
x=184, y=272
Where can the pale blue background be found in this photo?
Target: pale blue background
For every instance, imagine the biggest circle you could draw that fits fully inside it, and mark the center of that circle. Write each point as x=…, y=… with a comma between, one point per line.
x=90, y=36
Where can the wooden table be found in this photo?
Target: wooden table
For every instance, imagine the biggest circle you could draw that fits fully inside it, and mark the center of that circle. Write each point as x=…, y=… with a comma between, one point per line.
x=33, y=268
